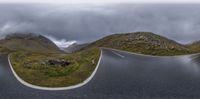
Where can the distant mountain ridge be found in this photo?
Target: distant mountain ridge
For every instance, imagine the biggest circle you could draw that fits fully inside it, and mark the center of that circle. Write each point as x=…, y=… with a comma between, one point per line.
x=138, y=42
x=28, y=42
x=142, y=42
x=75, y=47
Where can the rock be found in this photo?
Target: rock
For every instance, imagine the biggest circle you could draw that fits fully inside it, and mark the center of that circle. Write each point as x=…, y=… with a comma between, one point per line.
x=93, y=62
x=172, y=48
x=43, y=63
x=63, y=63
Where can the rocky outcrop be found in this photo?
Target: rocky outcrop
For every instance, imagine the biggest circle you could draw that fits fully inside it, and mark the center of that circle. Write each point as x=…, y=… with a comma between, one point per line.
x=55, y=62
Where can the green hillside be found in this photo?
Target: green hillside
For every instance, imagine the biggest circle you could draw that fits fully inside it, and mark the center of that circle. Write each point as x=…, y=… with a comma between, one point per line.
x=194, y=46
x=28, y=42
x=38, y=61
x=142, y=42
x=35, y=68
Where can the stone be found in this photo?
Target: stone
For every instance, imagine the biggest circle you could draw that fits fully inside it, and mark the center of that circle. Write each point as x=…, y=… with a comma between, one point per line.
x=63, y=63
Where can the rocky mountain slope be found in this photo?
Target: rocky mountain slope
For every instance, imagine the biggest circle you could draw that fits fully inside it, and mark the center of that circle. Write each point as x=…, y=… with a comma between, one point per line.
x=28, y=42
x=142, y=42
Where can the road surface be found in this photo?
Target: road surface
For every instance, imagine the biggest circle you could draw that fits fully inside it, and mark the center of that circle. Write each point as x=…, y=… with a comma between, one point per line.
x=120, y=76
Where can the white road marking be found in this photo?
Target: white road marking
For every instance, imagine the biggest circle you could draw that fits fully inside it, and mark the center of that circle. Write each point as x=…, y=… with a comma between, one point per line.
x=133, y=53
x=118, y=54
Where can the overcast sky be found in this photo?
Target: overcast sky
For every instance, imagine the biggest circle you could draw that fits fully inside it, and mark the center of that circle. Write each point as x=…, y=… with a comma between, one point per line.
x=88, y=22
x=98, y=1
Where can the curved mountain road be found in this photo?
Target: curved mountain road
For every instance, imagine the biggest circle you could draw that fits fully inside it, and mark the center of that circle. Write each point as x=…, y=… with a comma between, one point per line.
x=120, y=75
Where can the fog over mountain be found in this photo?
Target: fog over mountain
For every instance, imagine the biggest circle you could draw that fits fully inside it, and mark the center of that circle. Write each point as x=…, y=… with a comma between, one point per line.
x=86, y=23
x=62, y=43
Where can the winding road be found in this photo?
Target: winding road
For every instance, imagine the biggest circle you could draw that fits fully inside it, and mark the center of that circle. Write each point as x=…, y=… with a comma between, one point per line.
x=120, y=75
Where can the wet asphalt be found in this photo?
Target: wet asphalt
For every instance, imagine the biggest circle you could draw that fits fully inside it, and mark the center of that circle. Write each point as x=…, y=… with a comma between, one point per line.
x=120, y=76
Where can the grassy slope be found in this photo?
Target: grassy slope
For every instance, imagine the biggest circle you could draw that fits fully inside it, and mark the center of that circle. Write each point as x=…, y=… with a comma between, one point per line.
x=142, y=42
x=4, y=50
x=35, y=44
x=195, y=46
x=29, y=53
x=30, y=68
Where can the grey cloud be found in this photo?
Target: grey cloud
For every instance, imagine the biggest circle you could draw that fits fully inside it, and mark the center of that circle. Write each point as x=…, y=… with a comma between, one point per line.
x=90, y=22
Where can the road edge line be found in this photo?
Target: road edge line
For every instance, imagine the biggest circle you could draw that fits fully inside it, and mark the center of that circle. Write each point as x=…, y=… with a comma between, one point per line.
x=133, y=53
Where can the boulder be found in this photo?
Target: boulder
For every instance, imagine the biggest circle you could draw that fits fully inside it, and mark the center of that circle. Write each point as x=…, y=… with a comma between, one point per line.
x=63, y=63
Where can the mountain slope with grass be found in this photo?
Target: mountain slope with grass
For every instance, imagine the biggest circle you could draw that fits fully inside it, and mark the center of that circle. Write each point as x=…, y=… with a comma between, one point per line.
x=38, y=61
x=28, y=42
x=195, y=46
x=142, y=42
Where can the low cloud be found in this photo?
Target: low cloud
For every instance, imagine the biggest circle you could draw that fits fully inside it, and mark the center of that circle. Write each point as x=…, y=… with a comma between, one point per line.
x=61, y=43
x=87, y=23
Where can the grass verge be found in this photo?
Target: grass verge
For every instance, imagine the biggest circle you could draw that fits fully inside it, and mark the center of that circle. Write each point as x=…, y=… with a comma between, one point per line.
x=31, y=67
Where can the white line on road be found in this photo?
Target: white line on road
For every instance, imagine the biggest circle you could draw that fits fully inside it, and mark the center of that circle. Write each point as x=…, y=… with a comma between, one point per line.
x=118, y=54
x=133, y=53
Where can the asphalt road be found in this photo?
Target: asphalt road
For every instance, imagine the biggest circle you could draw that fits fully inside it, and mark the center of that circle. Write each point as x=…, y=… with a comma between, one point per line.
x=120, y=76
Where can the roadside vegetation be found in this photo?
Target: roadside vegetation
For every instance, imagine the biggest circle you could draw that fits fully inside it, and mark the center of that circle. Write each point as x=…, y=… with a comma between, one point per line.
x=4, y=50
x=195, y=46
x=35, y=69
